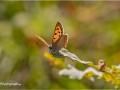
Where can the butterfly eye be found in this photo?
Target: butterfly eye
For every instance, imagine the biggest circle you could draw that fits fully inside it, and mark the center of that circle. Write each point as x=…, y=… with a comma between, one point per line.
x=50, y=47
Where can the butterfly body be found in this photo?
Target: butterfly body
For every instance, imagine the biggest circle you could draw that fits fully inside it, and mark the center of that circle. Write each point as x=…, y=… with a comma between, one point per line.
x=55, y=52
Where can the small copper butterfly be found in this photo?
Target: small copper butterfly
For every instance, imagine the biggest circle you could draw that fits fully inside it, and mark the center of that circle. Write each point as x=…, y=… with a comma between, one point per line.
x=59, y=41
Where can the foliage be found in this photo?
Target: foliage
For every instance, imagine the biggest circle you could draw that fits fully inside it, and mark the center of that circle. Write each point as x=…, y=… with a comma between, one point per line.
x=109, y=74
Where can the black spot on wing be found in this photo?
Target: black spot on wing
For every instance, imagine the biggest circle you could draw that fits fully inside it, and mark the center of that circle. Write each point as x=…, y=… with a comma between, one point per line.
x=58, y=31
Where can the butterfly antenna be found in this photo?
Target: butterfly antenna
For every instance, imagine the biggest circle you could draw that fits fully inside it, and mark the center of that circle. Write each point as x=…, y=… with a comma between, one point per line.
x=40, y=40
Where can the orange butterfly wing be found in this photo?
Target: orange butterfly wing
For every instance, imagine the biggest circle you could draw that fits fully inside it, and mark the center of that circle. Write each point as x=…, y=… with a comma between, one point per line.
x=58, y=32
x=59, y=39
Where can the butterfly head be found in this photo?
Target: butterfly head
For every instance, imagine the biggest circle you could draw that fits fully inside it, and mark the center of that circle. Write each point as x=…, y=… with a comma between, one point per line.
x=50, y=48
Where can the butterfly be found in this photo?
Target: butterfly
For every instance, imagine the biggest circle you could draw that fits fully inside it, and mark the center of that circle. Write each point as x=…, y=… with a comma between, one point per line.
x=59, y=41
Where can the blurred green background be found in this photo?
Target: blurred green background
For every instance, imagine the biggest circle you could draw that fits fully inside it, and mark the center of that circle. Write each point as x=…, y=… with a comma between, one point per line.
x=94, y=33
